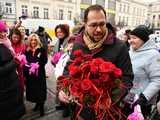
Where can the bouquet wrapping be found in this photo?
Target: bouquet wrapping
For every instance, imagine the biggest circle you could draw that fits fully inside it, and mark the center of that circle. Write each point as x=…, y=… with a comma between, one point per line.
x=55, y=58
x=95, y=83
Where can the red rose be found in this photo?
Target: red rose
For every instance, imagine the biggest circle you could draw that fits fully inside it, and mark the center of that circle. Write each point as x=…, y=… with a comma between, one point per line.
x=74, y=90
x=77, y=53
x=86, y=85
x=106, y=67
x=117, y=73
x=65, y=83
x=104, y=78
x=93, y=92
x=74, y=70
x=85, y=67
x=97, y=61
x=61, y=77
x=78, y=61
x=94, y=69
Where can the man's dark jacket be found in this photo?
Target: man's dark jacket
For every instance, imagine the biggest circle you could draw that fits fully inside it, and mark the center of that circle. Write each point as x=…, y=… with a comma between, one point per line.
x=112, y=50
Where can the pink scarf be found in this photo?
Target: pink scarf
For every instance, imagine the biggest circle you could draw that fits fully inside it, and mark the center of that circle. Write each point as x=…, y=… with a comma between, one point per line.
x=34, y=68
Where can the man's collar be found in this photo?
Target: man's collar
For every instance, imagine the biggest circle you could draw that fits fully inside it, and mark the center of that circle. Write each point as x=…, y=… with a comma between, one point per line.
x=109, y=40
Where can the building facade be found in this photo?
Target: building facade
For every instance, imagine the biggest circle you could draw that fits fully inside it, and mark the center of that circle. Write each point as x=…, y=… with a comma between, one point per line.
x=109, y=6
x=130, y=13
x=123, y=13
x=66, y=9
x=8, y=11
x=47, y=9
x=154, y=10
x=36, y=9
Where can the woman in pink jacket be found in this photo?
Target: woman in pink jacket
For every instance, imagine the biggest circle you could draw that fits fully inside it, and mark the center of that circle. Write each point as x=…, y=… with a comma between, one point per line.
x=19, y=48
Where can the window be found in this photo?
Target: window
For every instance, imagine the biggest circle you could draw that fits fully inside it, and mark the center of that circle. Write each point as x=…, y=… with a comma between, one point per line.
x=154, y=16
x=1, y=8
x=144, y=12
x=128, y=8
x=82, y=13
x=119, y=18
x=8, y=8
x=159, y=17
x=69, y=15
x=101, y=2
x=86, y=1
x=126, y=20
x=24, y=9
x=35, y=12
x=60, y=14
x=124, y=8
x=134, y=11
x=120, y=7
x=46, y=14
x=111, y=5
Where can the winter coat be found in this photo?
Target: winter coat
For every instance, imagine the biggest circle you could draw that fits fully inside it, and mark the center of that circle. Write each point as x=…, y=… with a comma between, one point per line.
x=19, y=50
x=62, y=47
x=36, y=89
x=112, y=50
x=146, y=68
x=11, y=102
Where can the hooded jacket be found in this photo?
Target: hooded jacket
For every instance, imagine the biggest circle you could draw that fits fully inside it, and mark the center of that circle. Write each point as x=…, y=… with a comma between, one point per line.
x=146, y=69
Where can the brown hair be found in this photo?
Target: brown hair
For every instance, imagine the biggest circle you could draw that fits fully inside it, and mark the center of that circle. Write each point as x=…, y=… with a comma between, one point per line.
x=64, y=28
x=17, y=32
x=93, y=8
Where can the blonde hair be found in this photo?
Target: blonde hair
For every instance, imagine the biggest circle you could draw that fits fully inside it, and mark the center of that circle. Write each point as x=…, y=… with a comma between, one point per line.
x=39, y=44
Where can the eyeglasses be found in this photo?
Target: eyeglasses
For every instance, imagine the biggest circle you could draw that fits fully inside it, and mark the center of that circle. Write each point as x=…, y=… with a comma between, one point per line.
x=95, y=25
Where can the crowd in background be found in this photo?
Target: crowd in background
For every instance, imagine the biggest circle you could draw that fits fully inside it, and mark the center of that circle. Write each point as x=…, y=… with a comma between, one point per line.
x=23, y=59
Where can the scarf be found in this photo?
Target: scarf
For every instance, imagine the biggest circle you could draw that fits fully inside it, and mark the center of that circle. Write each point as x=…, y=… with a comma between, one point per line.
x=92, y=44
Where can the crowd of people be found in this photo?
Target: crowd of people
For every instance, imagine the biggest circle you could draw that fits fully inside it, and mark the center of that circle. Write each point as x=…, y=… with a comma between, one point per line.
x=23, y=59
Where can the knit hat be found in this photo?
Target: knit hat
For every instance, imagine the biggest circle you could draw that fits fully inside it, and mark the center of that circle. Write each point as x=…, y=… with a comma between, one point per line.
x=141, y=32
x=3, y=26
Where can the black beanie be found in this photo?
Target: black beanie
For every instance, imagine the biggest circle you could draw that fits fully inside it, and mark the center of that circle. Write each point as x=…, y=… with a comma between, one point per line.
x=142, y=32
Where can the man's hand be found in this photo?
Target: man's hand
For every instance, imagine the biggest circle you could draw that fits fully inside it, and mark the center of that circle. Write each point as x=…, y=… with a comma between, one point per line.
x=63, y=97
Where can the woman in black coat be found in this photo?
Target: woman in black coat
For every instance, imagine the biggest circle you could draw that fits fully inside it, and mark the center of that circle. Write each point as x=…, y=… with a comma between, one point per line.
x=11, y=102
x=36, y=89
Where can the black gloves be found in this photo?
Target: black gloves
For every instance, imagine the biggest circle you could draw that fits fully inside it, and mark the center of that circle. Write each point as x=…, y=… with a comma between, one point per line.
x=145, y=106
x=141, y=101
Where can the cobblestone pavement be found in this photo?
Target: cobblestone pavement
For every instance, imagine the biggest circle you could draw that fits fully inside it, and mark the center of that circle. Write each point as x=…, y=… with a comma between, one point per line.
x=50, y=112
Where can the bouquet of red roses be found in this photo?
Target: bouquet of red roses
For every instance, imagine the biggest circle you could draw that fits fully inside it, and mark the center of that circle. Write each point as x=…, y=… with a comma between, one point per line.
x=94, y=83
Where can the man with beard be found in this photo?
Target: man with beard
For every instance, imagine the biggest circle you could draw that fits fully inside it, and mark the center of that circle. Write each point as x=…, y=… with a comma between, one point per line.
x=100, y=41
